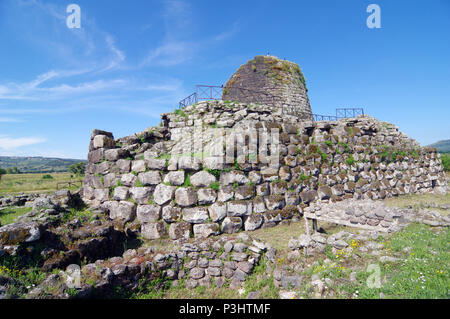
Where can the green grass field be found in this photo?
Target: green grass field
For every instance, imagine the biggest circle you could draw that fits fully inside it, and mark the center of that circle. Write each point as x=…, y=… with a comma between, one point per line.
x=34, y=183
x=9, y=214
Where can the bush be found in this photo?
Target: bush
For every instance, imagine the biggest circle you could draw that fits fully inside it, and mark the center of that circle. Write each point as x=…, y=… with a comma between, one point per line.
x=78, y=168
x=47, y=176
x=446, y=161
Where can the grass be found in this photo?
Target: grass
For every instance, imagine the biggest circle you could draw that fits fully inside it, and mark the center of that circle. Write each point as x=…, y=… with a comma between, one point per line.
x=21, y=272
x=34, y=183
x=420, y=273
x=420, y=201
x=9, y=214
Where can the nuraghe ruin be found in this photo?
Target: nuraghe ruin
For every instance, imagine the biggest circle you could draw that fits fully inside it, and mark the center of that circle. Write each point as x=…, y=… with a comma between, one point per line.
x=241, y=163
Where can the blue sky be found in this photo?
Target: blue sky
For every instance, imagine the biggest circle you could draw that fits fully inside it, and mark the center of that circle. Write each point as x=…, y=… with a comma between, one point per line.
x=132, y=60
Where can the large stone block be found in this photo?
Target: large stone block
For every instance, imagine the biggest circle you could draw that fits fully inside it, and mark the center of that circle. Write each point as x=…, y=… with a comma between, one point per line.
x=231, y=225
x=195, y=215
x=150, y=178
x=141, y=194
x=123, y=210
x=154, y=230
x=163, y=194
x=206, y=196
x=274, y=202
x=103, y=141
x=120, y=193
x=254, y=221
x=232, y=177
x=185, y=196
x=148, y=213
x=206, y=230
x=17, y=233
x=175, y=178
x=217, y=211
x=113, y=155
x=181, y=230
x=238, y=208
x=202, y=179
x=138, y=166
x=171, y=213
x=308, y=196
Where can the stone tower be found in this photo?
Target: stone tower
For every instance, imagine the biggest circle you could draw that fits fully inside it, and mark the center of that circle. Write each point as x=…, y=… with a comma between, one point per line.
x=271, y=81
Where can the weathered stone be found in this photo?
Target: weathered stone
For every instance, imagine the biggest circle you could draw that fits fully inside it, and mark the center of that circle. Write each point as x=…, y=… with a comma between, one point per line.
x=141, y=194
x=189, y=163
x=103, y=141
x=185, y=196
x=180, y=230
x=202, y=179
x=153, y=230
x=148, y=213
x=258, y=205
x=245, y=266
x=254, y=221
x=128, y=179
x=272, y=217
x=138, y=166
x=175, y=178
x=123, y=210
x=150, y=178
x=231, y=225
x=225, y=193
x=21, y=232
x=163, y=194
x=324, y=192
x=206, y=196
x=197, y=273
x=308, y=196
x=238, y=208
x=217, y=211
x=171, y=213
x=206, y=230
x=113, y=155
x=195, y=215
x=274, y=202
x=232, y=177
x=244, y=192
x=124, y=165
x=120, y=193
x=154, y=163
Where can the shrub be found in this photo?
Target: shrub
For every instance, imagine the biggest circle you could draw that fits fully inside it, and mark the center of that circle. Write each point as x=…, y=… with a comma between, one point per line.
x=78, y=168
x=47, y=176
x=446, y=161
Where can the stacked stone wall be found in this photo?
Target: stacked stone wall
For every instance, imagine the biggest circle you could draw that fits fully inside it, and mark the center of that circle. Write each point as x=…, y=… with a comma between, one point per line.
x=150, y=184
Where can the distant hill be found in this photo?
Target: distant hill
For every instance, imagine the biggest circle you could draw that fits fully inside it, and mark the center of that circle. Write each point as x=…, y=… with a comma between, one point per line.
x=37, y=164
x=442, y=146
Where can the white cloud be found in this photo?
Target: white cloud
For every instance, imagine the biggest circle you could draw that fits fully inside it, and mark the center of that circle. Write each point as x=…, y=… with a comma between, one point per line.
x=170, y=54
x=10, y=143
x=9, y=120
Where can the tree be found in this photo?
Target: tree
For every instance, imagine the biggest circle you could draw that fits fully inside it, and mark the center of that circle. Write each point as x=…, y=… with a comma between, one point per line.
x=12, y=170
x=78, y=168
x=2, y=172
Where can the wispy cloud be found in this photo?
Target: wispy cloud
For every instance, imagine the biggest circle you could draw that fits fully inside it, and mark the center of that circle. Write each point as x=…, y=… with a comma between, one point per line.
x=10, y=143
x=177, y=46
x=9, y=120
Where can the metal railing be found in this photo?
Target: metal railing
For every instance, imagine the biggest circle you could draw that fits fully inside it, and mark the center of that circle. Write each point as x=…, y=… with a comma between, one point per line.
x=344, y=113
x=214, y=92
